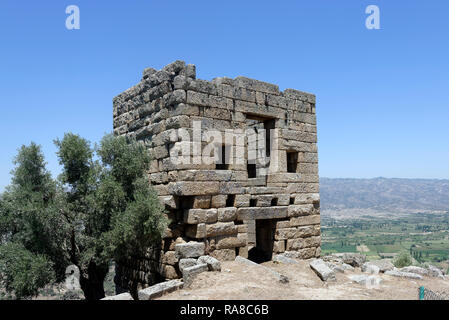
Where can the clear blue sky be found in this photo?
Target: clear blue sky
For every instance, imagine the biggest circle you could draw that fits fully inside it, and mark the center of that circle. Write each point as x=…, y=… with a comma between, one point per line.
x=382, y=95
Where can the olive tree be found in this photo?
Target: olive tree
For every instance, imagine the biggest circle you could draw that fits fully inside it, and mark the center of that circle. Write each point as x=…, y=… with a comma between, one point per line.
x=101, y=208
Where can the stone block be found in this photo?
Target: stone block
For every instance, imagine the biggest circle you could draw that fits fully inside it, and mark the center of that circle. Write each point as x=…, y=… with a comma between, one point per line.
x=227, y=214
x=243, y=252
x=201, y=202
x=322, y=270
x=242, y=200
x=218, y=201
x=186, y=263
x=170, y=258
x=305, y=220
x=221, y=228
x=224, y=254
x=197, y=231
x=122, y=296
x=188, y=274
x=229, y=242
x=191, y=249
x=195, y=216
x=253, y=213
x=279, y=246
x=212, y=263
x=159, y=289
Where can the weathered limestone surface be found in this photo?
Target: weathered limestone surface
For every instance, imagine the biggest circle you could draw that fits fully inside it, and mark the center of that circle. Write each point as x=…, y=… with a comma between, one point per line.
x=188, y=274
x=121, y=296
x=189, y=250
x=219, y=209
x=383, y=265
x=402, y=274
x=322, y=270
x=159, y=289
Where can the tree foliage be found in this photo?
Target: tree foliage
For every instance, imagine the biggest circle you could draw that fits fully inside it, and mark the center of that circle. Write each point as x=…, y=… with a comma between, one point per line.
x=23, y=272
x=101, y=208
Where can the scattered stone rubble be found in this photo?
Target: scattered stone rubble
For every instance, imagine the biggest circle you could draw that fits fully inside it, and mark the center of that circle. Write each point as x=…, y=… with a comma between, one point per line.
x=327, y=267
x=401, y=274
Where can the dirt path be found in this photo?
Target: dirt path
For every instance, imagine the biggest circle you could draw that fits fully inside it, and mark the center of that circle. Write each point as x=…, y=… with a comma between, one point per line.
x=237, y=281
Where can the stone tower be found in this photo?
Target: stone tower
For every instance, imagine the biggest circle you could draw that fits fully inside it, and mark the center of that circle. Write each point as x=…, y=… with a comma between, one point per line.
x=235, y=163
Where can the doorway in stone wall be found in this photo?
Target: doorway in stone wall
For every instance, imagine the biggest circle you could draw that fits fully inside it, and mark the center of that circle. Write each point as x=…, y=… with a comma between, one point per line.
x=263, y=249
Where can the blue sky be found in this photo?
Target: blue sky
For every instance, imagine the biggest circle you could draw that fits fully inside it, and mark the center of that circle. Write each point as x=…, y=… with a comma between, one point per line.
x=382, y=95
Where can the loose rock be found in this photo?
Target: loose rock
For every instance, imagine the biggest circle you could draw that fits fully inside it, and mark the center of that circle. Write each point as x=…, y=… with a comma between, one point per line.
x=159, y=289
x=283, y=259
x=383, y=265
x=188, y=274
x=122, y=296
x=189, y=250
x=400, y=274
x=322, y=270
x=354, y=259
x=212, y=263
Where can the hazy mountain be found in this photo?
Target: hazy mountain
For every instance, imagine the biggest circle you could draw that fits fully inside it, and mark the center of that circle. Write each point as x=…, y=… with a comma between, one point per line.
x=385, y=194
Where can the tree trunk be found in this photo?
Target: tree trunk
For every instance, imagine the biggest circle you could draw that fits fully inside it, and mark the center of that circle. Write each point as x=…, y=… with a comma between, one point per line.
x=91, y=281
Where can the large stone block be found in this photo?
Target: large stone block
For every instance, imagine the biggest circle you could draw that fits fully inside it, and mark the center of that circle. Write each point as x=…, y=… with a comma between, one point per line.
x=160, y=289
x=186, y=263
x=189, y=250
x=242, y=200
x=253, y=213
x=195, y=216
x=122, y=296
x=201, y=202
x=301, y=243
x=305, y=220
x=212, y=263
x=196, y=231
x=221, y=228
x=256, y=85
x=188, y=274
x=227, y=214
x=224, y=254
x=218, y=201
x=300, y=210
x=190, y=188
x=170, y=258
x=226, y=242
x=322, y=270
x=306, y=253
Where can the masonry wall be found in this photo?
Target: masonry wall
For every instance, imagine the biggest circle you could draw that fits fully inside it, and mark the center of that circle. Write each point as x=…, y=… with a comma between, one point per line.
x=223, y=208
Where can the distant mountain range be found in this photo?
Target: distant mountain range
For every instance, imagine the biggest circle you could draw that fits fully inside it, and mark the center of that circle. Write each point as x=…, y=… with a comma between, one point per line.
x=385, y=194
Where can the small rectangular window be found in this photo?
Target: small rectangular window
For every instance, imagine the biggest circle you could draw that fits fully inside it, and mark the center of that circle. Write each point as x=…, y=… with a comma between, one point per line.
x=223, y=161
x=292, y=161
x=251, y=168
x=230, y=200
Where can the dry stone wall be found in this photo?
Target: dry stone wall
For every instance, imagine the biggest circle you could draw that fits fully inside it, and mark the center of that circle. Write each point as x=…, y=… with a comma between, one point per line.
x=241, y=208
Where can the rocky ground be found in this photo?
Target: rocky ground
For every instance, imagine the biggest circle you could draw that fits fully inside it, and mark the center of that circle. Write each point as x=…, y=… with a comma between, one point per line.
x=250, y=282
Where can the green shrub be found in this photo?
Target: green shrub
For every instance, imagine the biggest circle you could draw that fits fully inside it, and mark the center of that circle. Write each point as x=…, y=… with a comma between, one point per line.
x=402, y=260
x=22, y=271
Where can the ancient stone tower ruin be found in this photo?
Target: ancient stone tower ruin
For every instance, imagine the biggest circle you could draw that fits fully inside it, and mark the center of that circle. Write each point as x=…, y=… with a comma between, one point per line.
x=252, y=192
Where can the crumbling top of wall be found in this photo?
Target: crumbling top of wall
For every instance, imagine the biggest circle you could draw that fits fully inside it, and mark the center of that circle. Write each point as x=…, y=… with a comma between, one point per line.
x=171, y=83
